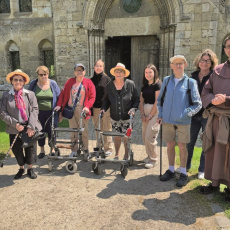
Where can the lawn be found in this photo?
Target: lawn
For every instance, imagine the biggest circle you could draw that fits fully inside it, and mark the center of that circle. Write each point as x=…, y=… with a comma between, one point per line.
x=4, y=140
x=194, y=184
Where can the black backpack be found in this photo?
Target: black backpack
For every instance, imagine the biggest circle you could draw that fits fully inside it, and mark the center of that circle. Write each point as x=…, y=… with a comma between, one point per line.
x=188, y=92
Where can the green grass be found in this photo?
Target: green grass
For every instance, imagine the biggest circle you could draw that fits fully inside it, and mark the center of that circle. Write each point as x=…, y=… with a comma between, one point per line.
x=4, y=140
x=194, y=184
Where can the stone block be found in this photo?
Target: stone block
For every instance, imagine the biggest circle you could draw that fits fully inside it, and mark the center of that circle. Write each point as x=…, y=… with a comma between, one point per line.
x=205, y=7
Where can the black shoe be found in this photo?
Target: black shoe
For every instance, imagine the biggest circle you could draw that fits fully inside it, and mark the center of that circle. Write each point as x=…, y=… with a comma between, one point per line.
x=167, y=175
x=183, y=180
x=19, y=174
x=41, y=155
x=209, y=189
x=31, y=173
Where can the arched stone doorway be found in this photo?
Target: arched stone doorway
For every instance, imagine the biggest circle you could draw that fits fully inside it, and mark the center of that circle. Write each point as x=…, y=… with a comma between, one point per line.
x=148, y=35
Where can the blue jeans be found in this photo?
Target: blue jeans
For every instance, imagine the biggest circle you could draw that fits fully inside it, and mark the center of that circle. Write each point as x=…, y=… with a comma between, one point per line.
x=197, y=123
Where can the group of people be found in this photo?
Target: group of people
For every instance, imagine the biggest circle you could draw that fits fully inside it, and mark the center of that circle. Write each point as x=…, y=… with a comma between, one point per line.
x=176, y=104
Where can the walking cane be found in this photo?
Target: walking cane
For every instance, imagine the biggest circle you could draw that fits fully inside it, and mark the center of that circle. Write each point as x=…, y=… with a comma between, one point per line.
x=1, y=165
x=160, y=150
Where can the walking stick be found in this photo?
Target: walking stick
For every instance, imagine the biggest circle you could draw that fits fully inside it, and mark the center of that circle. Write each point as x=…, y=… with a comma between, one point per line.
x=160, y=150
x=1, y=165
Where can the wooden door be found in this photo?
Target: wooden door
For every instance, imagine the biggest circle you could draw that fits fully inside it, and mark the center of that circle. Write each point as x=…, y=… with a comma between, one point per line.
x=144, y=50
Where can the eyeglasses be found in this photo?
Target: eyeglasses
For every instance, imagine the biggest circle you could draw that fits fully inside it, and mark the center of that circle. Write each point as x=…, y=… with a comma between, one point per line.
x=208, y=61
x=42, y=74
x=178, y=64
x=16, y=80
x=119, y=71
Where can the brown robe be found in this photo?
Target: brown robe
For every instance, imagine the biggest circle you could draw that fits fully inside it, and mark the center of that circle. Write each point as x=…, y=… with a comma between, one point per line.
x=216, y=168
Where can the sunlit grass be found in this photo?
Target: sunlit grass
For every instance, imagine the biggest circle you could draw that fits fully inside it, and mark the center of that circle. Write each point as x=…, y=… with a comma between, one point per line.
x=4, y=140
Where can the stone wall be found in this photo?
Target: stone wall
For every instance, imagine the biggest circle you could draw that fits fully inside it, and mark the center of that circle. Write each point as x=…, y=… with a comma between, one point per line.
x=78, y=31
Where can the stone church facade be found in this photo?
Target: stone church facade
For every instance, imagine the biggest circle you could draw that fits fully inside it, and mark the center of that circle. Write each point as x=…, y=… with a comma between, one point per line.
x=61, y=33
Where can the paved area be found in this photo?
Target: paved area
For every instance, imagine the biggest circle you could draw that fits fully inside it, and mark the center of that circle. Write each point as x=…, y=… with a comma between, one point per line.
x=59, y=200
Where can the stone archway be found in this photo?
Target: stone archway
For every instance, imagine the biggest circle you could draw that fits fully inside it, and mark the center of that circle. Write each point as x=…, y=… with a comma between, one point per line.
x=94, y=19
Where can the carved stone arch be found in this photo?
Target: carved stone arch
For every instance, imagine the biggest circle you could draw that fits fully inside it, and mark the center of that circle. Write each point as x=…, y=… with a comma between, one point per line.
x=93, y=19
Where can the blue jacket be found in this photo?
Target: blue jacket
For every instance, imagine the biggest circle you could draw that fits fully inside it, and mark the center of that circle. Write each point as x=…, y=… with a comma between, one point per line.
x=55, y=90
x=176, y=108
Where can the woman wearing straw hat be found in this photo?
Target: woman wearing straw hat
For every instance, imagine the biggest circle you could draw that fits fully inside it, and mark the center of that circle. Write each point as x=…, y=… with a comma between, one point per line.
x=122, y=98
x=19, y=110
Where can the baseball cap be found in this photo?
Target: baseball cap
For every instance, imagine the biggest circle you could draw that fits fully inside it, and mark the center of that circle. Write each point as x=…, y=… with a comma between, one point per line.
x=79, y=65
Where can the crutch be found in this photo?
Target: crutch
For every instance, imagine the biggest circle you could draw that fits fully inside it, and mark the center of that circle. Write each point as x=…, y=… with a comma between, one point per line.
x=160, y=150
x=2, y=163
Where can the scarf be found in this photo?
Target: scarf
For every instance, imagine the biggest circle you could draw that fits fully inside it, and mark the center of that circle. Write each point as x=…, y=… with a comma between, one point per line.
x=20, y=104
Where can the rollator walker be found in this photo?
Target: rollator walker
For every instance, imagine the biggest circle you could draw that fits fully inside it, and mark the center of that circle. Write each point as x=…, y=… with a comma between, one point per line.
x=100, y=153
x=56, y=144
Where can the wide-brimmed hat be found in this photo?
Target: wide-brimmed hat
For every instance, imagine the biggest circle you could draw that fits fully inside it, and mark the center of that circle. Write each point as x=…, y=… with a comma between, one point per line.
x=120, y=66
x=18, y=72
x=178, y=57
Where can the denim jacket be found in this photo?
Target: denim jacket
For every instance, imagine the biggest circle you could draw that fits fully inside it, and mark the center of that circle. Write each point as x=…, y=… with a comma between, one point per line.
x=120, y=104
x=176, y=108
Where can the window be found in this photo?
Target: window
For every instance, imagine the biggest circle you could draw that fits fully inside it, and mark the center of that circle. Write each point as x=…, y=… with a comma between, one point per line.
x=14, y=57
x=25, y=5
x=15, y=60
x=4, y=6
x=131, y=6
x=47, y=56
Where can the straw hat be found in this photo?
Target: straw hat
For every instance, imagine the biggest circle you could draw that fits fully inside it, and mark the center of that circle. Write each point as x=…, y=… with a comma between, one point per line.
x=120, y=66
x=18, y=72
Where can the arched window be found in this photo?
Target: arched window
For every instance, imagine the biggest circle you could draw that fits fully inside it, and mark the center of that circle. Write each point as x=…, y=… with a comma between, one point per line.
x=14, y=57
x=25, y=5
x=4, y=6
x=47, y=55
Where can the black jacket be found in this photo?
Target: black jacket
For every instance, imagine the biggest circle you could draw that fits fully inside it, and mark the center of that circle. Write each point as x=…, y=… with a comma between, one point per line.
x=120, y=104
x=195, y=76
x=100, y=81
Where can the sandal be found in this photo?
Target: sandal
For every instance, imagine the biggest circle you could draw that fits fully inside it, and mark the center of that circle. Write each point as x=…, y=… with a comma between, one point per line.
x=209, y=189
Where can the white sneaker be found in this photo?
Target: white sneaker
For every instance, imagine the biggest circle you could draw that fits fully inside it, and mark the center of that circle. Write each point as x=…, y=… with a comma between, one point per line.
x=177, y=170
x=108, y=153
x=150, y=165
x=201, y=175
x=146, y=160
x=73, y=154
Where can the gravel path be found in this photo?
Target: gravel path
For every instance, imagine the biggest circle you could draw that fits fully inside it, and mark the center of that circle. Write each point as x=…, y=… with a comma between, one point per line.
x=59, y=200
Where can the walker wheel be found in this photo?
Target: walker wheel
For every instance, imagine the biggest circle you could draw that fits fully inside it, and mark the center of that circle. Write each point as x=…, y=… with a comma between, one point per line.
x=96, y=167
x=71, y=167
x=50, y=166
x=124, y=170
x=86, y=156
x=131, y=159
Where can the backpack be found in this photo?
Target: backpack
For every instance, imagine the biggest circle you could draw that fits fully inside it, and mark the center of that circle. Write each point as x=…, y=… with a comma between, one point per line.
x=188, y=92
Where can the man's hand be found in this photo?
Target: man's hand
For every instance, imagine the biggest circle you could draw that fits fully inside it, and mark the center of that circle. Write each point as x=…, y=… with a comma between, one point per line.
x=219, y=99
x=159, y=121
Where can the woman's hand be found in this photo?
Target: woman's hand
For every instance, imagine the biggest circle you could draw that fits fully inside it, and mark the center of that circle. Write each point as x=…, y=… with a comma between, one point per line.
x=60, y=118
x=143, y=118
x=149, y=117
x=19, y=127
x=30, y=132
x=85, y=110
x=57, y=108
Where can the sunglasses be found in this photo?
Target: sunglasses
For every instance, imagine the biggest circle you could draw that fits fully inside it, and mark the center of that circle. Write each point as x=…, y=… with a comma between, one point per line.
x=16, y=80
x=42, y=74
